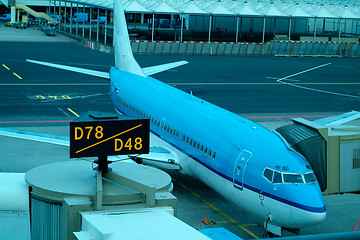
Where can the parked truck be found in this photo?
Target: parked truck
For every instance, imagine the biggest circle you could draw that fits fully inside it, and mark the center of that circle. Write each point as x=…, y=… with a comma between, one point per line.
x=5, y=18
x=80, y=17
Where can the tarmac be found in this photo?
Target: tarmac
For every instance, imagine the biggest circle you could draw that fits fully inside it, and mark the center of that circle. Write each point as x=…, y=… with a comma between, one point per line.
x=195, y=200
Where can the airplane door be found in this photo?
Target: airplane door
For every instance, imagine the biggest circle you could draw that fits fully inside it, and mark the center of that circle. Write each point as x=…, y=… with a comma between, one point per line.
x=240, y=167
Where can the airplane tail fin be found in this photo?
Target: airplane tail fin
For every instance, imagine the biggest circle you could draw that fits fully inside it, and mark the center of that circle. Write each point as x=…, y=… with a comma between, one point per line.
x=124, y=58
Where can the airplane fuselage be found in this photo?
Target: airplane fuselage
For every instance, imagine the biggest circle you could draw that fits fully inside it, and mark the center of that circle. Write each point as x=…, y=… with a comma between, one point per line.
x=225, y=151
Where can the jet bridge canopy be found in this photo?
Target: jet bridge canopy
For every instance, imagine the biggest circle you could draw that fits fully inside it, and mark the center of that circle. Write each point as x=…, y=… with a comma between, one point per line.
x=309, y=143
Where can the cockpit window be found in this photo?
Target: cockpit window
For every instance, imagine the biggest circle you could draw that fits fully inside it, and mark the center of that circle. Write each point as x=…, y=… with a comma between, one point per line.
x=310, y=177
x=277, y=177
x=292, y=178
x=268, y=174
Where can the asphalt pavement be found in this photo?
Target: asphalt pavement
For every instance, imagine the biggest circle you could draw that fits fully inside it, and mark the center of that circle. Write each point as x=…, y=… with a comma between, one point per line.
x=43, y=99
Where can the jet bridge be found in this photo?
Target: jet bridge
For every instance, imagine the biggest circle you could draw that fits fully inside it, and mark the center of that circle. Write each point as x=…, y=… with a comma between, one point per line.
x=332, y=147
x=309, y=143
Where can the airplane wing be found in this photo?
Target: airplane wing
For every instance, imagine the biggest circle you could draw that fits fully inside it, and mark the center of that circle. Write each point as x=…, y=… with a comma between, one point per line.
x=147, y=70
x=73, y=69
x=339, y=119
x=158, y=157
x=163, y=67
x=36, y=136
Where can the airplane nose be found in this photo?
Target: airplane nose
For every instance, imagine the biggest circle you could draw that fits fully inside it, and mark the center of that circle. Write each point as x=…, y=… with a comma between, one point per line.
x=304, y=218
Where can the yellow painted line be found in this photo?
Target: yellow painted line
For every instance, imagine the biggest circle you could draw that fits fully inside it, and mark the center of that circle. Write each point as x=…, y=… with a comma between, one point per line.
x=5, y=67
x=54, y=84
x=220, y=212
x=109, y=138
x=73, y=112
x=17, y=76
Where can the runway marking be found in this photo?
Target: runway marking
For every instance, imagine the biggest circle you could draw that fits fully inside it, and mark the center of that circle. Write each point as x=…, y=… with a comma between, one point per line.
x=65, y=113
x=274, y=83
x=6, y=67
x=281, y=80
x=180, y=84
x=220, y=212
x=70, y=110
x=54, y=84
x=128, y=130
x=17, y=76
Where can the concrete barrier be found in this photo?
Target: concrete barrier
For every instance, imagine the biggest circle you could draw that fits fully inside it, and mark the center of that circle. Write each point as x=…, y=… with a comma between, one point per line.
x=288, y=48
x=198, y=48
x=190, y=48
x=142, y=47
x=228, y=48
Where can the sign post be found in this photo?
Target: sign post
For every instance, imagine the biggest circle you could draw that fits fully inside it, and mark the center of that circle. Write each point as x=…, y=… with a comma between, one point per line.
x=96, y=134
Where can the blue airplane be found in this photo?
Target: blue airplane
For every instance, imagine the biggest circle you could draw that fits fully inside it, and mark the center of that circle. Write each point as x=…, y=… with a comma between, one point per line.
x=247, y=164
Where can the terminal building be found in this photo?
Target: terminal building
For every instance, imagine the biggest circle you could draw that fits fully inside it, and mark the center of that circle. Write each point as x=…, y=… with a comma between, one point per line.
x=198, y=20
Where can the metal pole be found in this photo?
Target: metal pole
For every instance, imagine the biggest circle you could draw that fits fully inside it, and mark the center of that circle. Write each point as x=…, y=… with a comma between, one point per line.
x=90, y=23
x=83, y=25
x=237, y=28
x=181, y=27
x=263, y=37
x=289, y=29
x=106, y=14
x=77, y=22
x=60, y=16
x=210, y=28
x=152, y=27
x=339, y=28
x=64, y=21
x=315, y=29
x=98, y=27
x=71, y=14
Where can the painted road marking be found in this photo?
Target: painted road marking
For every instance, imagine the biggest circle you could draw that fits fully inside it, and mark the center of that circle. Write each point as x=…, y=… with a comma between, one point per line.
x=17, y=76
x=270, y=83
x=180, y=83
x=70, y=110
x=220, y=212
x=6, y=67
x=281, y=80
x=54, y=84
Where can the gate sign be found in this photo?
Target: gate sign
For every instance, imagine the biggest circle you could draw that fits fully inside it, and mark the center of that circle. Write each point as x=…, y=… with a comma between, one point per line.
x=97, y=134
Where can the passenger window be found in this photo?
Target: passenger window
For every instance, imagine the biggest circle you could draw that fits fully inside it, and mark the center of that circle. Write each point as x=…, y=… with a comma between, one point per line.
x=205, y=151
x=214, y=155
x=268, y=174
x=277, y=177
x=183, y=138
x=201, y=148
x=209, y=153
x=190, y=142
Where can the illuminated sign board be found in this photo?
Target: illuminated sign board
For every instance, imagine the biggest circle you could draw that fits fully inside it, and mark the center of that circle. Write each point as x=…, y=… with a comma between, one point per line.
x=97, y=134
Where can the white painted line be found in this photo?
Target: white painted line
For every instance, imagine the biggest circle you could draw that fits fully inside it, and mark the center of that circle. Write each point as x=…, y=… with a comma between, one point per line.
x=313, y=89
